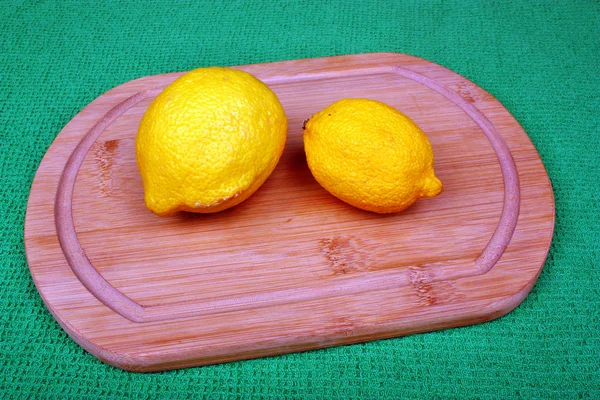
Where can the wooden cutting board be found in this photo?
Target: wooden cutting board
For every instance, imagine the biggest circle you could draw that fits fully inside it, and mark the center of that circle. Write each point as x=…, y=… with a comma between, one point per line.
x=292, y=268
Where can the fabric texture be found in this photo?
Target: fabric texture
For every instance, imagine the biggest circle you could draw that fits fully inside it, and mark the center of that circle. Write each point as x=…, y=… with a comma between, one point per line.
x=540, y=59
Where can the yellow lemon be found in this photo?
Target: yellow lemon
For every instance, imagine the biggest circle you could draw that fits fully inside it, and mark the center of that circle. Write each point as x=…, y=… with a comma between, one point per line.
x=370, y=155
x=208, y=141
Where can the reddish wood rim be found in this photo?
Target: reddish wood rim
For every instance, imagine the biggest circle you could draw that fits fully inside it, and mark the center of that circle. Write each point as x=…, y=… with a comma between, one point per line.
x=128, y=308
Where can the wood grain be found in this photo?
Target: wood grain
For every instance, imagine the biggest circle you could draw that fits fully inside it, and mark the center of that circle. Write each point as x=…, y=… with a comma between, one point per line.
x=292, y=268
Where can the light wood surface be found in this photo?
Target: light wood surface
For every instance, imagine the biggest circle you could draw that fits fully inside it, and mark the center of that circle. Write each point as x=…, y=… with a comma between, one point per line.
x=292, y=268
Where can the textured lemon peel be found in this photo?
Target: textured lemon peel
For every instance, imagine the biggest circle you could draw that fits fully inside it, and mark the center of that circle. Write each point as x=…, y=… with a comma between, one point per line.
x=209, y=141
x=370, y=155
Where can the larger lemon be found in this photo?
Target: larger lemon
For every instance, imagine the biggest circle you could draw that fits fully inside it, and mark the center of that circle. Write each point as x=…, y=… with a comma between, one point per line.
x=208, y=141
x=370, y=155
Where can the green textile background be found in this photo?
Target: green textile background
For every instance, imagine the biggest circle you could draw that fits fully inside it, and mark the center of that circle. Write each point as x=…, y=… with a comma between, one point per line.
x=540, y=59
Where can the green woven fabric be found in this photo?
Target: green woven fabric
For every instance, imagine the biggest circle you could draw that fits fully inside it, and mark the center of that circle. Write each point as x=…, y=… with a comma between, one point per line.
x=541, y=60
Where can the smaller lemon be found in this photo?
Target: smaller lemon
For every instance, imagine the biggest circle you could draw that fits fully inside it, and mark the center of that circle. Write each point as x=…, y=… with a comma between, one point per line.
x=208, y=141
x=370, y=155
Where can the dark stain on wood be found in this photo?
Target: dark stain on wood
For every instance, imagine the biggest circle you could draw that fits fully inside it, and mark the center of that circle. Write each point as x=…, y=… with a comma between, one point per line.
x=104, y=154
x=345, y=255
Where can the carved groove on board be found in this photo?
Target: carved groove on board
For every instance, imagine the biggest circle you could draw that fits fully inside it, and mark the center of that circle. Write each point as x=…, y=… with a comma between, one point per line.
x=126, y=307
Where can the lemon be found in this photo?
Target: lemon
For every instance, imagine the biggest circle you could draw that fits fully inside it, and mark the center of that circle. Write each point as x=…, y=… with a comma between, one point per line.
x=208, y=141
x=370, y=155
